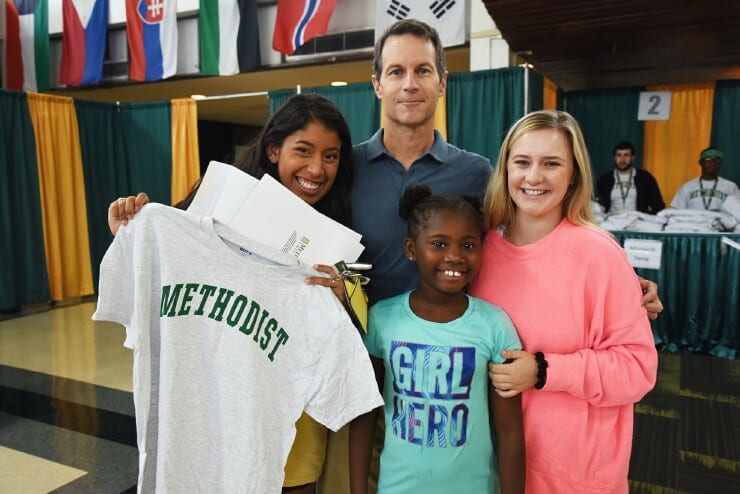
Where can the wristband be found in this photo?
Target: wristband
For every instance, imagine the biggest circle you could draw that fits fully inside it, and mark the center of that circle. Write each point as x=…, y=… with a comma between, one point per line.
x=541, y=370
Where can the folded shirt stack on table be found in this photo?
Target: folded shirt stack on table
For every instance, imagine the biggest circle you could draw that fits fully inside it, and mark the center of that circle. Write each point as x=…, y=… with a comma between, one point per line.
x=732, y=206
x=695, y=221
x=633, y=221
x=598, y=211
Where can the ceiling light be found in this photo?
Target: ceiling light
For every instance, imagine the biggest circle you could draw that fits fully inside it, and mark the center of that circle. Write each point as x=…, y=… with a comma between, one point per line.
x=338, y=83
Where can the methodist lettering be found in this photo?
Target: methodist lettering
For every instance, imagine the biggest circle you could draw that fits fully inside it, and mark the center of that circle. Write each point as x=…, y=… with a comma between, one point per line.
x=222, y=304
x=708, y=193
x=431, y=385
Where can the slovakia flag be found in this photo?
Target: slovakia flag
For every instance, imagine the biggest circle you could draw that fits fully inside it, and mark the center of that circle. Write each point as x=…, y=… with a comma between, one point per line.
x=83, y=41
x=300, y=20
x=151, y=26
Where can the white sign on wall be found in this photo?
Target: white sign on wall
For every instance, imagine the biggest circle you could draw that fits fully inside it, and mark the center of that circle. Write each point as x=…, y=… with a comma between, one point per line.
x=644, y=253
x=654, y=105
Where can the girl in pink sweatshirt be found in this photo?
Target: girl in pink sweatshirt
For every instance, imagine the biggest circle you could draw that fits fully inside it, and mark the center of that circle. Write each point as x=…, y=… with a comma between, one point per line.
x=589, y=352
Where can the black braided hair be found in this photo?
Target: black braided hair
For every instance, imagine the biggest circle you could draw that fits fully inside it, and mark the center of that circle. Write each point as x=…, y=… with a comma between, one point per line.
x=418, y=204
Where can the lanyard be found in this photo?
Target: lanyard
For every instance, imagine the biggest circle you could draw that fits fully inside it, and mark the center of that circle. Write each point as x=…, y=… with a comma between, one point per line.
x=624, y=191
x=710, y=195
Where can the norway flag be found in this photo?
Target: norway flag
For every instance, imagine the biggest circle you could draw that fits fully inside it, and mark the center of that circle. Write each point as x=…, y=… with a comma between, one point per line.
x=151, y=26
x=300, y=20
x=83, y=41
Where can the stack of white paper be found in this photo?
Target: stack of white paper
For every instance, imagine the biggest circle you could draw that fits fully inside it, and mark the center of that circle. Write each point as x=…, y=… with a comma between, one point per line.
x=266, y=211
x=222, y=192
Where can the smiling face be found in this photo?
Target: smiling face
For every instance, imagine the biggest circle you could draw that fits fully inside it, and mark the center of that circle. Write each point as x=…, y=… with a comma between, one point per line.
x=308, y=161
x=446, y=250
x=409, y=82
x=540, y=169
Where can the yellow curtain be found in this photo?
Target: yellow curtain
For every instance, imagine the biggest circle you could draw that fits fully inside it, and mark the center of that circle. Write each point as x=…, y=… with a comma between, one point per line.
x=185, y=157
x=440, y=116
x=63, y=207
x=549, y=95
x=672, y=146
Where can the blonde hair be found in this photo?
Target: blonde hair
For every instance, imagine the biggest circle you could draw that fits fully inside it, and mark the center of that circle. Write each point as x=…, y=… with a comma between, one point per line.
x=498, y=204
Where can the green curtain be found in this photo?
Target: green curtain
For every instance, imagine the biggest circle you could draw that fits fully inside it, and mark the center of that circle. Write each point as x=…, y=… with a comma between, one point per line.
x=357, y=102
x=23, y=276
x=147, y=131
x=536, y=91
x=126, y=149
x=726, y=127
x=278, y=97
x=607, y=117
x=560, y=100
x=699, y=286
x=481, y=106
x=359, y=106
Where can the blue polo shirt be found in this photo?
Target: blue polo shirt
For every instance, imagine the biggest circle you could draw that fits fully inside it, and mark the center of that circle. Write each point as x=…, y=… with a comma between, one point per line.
x=380, y=181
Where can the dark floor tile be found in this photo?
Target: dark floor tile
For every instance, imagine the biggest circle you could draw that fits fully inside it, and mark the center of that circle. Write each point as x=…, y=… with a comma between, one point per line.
x=663, y=397
x=710, y=428
x=71, y=390
x=68, y=415
x=704, y=376
x=647, y=488
x=111, y=466
x=702, y=475
x=655, y=451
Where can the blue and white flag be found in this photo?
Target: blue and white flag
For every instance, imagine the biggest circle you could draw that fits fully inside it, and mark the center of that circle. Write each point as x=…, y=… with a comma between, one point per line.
x=446, y=16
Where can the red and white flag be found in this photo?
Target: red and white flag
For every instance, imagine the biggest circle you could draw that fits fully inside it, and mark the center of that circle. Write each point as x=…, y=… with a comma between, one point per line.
x=300, y=20
x=27, y=45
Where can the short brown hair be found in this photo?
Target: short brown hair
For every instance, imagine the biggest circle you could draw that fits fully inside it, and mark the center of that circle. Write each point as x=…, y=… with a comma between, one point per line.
x=416, y=28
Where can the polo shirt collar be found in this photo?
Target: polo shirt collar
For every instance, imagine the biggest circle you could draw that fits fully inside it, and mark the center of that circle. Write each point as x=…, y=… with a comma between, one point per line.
x=376, y=149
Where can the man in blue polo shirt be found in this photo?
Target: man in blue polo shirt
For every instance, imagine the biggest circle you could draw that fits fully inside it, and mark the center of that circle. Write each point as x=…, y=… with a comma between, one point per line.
x=410, y=76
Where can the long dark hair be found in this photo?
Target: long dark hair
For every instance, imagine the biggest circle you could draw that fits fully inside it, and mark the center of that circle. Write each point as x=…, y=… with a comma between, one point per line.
x=295, y=114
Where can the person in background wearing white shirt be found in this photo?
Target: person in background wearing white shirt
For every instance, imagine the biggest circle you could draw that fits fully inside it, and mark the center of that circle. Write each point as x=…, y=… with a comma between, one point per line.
x=709, y=191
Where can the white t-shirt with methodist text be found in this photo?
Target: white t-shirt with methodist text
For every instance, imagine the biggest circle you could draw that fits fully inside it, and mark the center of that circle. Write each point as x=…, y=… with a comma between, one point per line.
x=230, y=346
x=704, y=195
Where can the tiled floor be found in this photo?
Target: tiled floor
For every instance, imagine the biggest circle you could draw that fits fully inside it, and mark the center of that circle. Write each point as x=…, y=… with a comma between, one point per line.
x=66, y=409
x=687, y=430
x=67, y=418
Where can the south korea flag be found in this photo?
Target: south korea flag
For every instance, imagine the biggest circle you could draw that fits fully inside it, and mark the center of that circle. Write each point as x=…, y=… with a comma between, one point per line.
x=446, y=16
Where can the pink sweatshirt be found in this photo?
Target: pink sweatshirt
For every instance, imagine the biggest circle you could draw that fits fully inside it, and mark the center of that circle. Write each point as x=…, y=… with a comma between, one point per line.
x=574, y=296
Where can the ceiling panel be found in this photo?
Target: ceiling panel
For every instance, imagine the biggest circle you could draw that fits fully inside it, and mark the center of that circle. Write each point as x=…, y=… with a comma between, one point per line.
x=586, y=44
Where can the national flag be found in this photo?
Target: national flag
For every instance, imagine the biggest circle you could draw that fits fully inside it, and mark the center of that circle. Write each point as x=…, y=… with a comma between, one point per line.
x=300, y=20
x=27, y=45
x=151, y=27
x=229, y=36
x=446, y=16
x=84, y=34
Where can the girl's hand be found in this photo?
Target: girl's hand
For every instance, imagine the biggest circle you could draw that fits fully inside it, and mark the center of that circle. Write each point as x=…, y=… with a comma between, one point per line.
x=331, y=281
x=512, y=378
x=123, y=209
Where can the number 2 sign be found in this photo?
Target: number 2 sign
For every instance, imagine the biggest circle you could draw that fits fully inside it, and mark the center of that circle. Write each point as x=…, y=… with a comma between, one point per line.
x=654, y=105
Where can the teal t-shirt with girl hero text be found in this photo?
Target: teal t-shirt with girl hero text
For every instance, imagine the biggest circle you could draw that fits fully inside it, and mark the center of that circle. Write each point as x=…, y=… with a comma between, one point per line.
x=437, y=434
